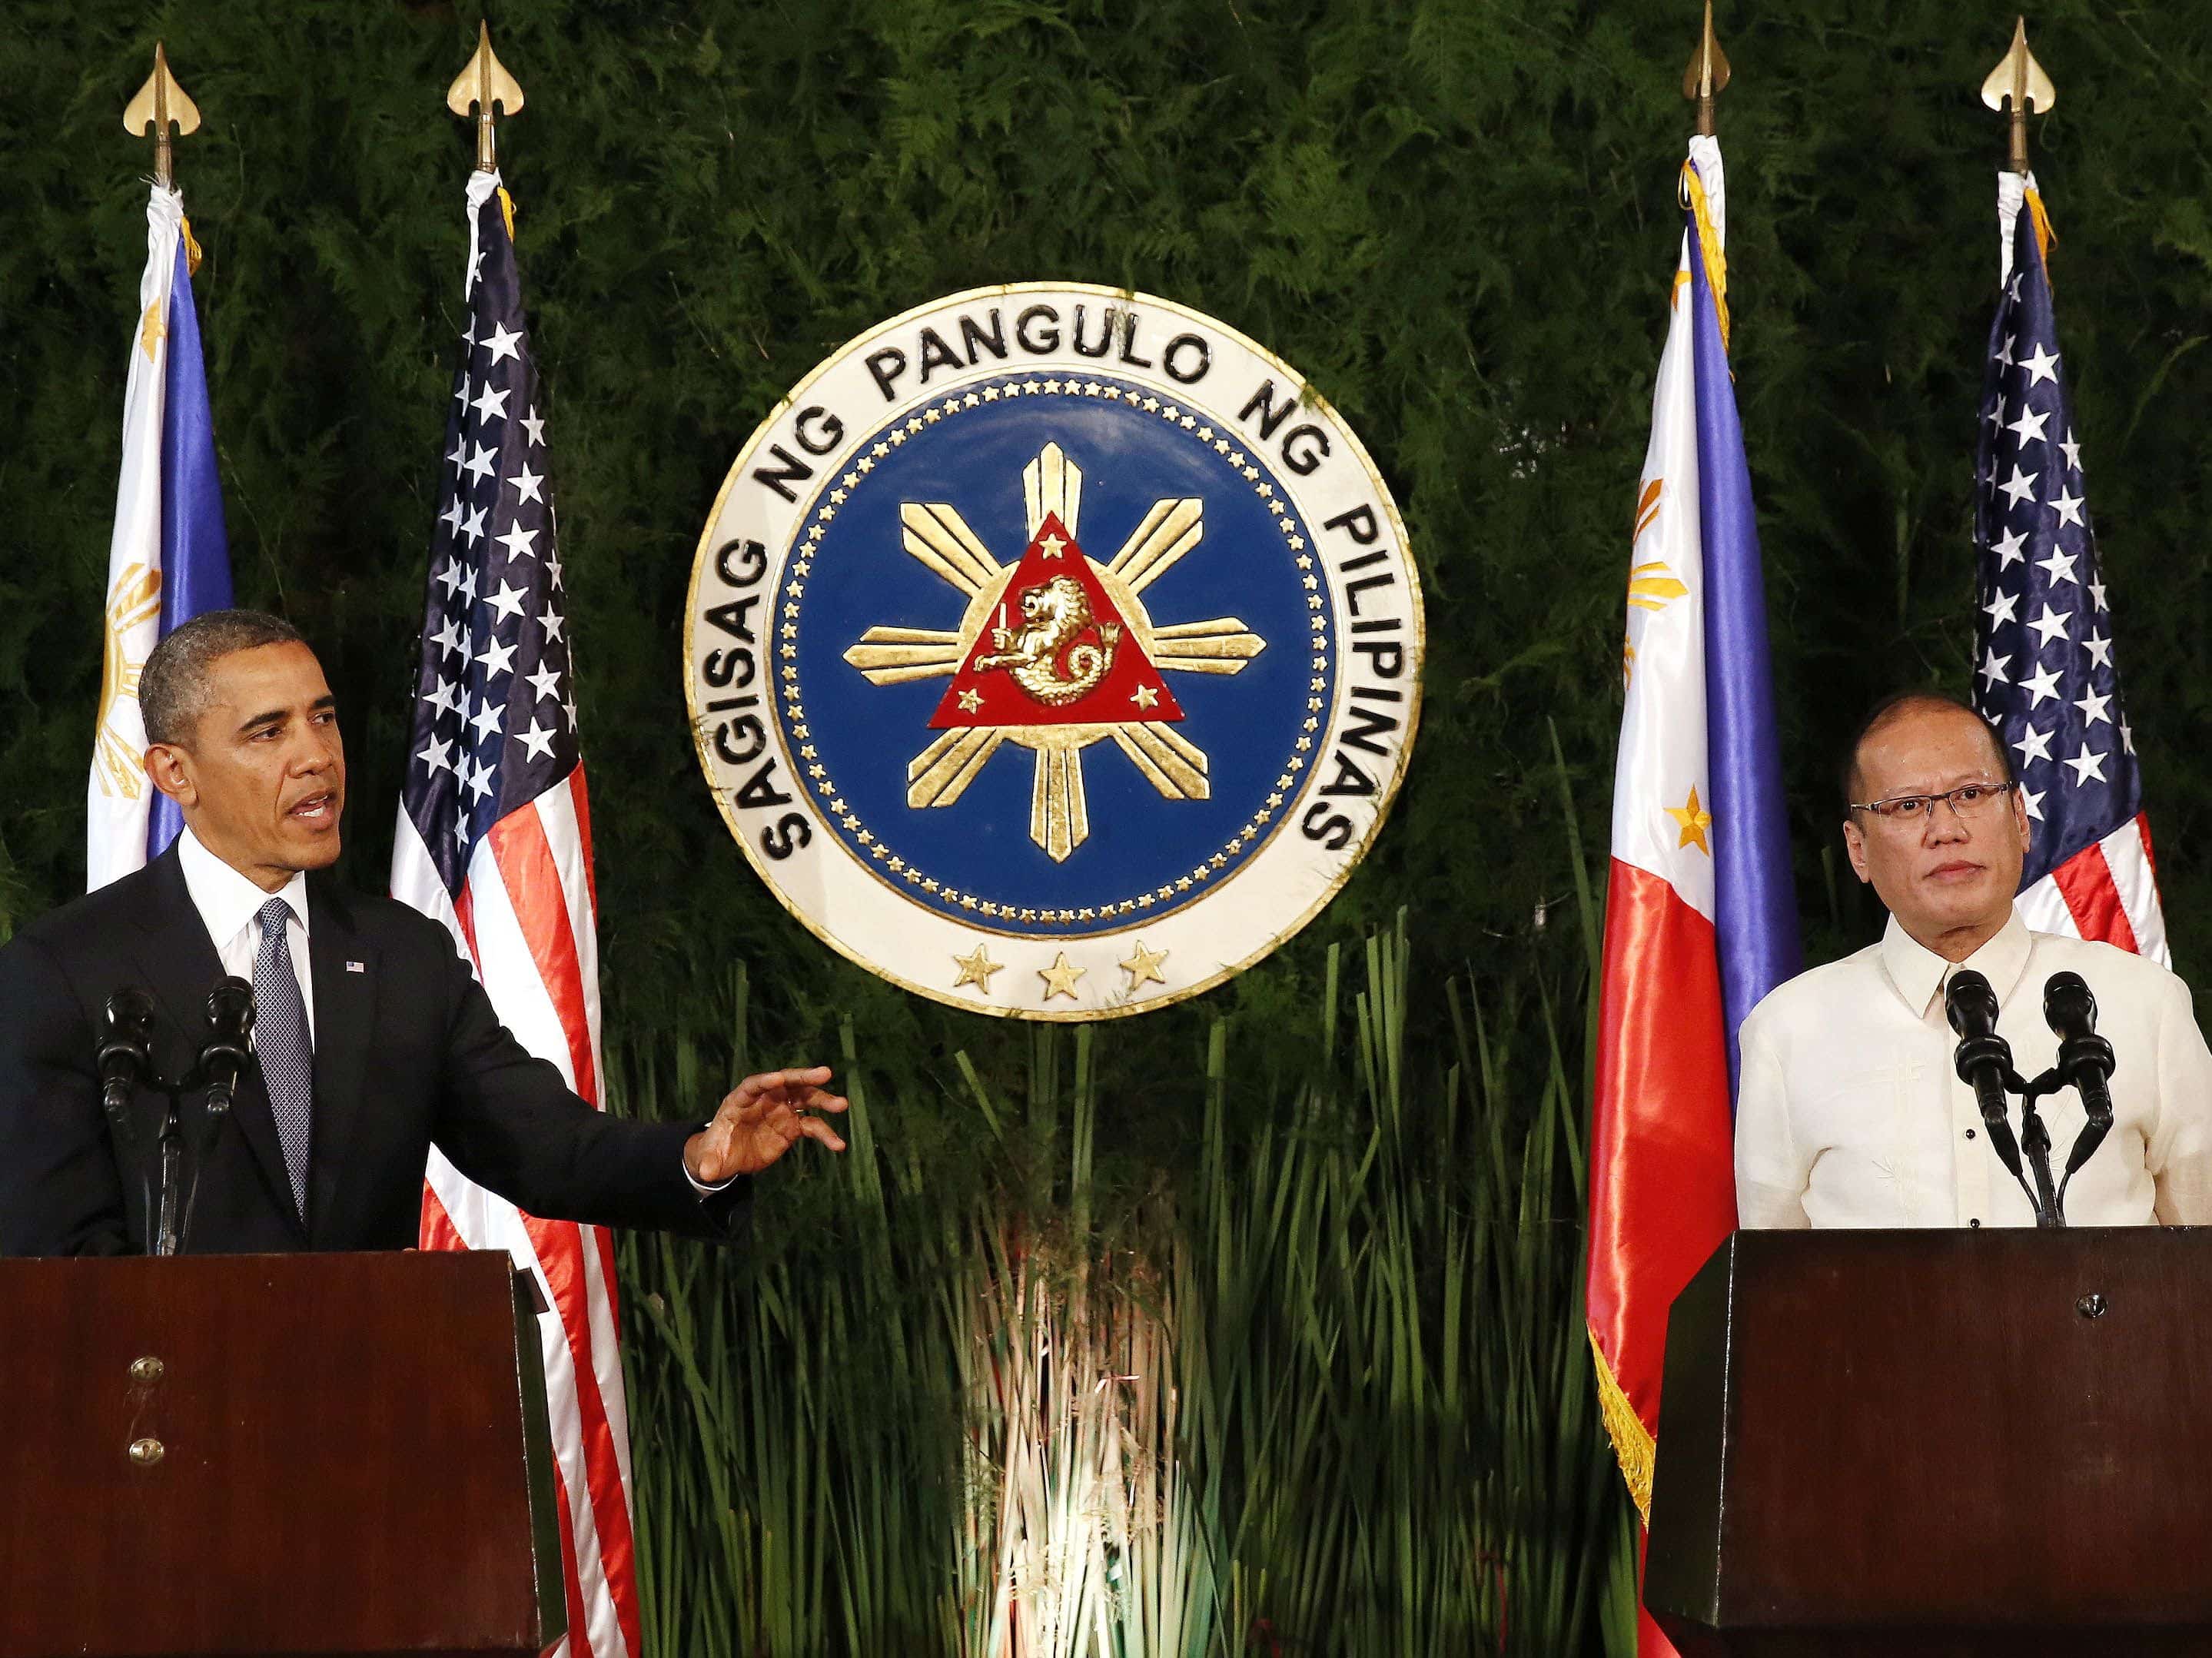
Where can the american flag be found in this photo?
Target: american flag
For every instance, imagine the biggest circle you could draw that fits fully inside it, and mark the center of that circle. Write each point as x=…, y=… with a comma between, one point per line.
x=495, y=840
x=2046, y=671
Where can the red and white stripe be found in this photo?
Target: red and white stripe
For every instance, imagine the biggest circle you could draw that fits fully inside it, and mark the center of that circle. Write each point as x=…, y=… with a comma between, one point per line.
x=2107, y=892
x=525, y=922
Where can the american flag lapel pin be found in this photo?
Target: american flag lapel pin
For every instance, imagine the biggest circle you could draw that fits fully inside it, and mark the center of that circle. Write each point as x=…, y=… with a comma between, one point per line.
x=356, y=966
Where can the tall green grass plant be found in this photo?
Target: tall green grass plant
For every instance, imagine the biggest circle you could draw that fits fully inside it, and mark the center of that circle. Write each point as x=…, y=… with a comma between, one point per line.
x=1328, y=1394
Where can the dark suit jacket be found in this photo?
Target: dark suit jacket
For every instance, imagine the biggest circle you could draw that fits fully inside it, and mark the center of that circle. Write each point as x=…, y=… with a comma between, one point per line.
x=408, y=1052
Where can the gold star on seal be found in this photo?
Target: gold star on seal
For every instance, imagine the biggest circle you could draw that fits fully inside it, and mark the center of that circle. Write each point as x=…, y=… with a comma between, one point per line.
x=1144, y=696
x=1054, y=546
x=971, y=701
x=1143, y=966
x=1694, y=820
x=1060, y=978
x=976, y=970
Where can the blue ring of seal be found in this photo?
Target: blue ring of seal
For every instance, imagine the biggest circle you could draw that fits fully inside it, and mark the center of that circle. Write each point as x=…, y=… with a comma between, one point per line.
x=974, y=860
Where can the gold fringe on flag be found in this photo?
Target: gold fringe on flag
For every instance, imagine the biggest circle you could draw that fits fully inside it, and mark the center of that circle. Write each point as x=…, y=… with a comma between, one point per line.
x=2044, y=235
x=1633, y=1442
x=1693, y=196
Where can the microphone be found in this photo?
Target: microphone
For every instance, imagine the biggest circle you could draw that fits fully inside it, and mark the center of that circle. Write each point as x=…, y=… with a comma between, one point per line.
x=1983, y=1058
x=123, y=1059
x=225, y=1054
x=2085, y=1058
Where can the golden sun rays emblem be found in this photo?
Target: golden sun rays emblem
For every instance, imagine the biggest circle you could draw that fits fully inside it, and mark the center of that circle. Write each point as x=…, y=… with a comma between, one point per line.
x=134, y=600
x=1652, y=585
x=1054, y=653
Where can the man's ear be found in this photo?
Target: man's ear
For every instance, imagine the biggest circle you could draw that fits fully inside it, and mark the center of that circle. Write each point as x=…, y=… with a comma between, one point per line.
x=1855, y=844
x=168, y=767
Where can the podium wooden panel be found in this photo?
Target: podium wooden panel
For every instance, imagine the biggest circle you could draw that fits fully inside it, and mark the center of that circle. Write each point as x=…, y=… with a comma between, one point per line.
x=354, y=1458
x=1955, y=1442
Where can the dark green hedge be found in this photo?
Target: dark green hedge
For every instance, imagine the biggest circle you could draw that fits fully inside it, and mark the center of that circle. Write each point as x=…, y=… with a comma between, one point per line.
x=1454, y=217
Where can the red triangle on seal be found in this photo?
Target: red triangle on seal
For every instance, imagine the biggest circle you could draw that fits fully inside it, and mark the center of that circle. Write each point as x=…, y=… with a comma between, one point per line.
x=1055, y=651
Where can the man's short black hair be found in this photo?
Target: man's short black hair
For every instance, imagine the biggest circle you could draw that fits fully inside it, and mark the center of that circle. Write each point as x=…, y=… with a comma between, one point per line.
x=172, y=685
x=1901, y=702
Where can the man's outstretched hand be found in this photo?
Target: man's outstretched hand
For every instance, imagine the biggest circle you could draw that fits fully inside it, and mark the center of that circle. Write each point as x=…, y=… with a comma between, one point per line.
x=759, y=1119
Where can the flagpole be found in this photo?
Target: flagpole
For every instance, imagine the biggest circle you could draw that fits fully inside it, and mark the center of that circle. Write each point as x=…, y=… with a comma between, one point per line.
x=160, y=105
x=484, y=83
x=1707, y=74
x=2014, y=87
x=513, y=885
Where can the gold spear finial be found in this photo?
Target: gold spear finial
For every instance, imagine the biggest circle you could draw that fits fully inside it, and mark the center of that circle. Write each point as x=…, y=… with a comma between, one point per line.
x=162, y=104
x=1708, y=73
x=2018, y=83
x=484, y=83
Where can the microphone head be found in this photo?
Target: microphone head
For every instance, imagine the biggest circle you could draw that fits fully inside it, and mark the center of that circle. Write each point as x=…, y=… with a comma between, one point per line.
x=230, y=1007
x=127, y=1039
x=129, y=1012
x=1970, y=1003
x=2069, y=1007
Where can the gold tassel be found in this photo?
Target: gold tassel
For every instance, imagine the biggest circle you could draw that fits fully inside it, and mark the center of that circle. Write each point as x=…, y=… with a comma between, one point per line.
x=1693, y=192
x=2044, y=235
x=1631, y=1441
x=191, y=247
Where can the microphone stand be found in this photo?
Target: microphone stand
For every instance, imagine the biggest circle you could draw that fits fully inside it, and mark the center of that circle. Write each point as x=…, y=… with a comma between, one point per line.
x=222, y=1057
x=1982, y=1060
x=123, y=1061
x=2035, y=1140
x=2047, y=1197
x=168, y=1235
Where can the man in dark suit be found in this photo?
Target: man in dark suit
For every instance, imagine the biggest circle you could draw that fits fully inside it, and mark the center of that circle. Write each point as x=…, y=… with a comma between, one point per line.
x=373, y=1040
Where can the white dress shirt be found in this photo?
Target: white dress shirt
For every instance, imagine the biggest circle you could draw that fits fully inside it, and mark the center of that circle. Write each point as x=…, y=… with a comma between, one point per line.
x=1850, y=1112
x=230, y=908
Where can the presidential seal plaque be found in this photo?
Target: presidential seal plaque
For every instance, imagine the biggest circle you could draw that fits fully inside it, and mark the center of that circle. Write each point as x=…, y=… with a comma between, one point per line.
x=1052, y=651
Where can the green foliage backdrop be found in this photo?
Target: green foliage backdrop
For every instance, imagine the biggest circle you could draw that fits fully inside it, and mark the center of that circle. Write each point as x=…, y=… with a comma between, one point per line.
x=1455, y=215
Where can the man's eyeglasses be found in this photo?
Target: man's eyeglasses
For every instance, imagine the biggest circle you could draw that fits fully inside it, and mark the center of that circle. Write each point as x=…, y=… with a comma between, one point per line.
x=1967, y=800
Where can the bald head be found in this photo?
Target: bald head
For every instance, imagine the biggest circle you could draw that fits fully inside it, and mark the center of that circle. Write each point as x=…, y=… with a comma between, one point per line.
x=1915, y=705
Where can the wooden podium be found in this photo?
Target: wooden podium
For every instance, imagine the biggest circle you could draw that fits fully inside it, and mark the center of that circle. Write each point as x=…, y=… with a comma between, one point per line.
x=274, y=1455
x=1943, y=1443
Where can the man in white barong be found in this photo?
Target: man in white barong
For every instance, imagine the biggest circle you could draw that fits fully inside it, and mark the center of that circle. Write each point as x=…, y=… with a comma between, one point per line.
x=1850, y=1112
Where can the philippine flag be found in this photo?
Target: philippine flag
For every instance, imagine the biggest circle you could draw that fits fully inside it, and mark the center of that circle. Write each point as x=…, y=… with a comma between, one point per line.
x=1700, y=916
x=169, y=559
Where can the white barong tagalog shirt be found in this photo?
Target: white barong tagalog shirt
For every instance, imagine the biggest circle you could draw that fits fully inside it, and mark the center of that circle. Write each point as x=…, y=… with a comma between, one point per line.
x=1850, y=1112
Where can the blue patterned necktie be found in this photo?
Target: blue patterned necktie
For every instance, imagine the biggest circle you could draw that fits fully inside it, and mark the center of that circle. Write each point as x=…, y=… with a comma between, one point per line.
x=280, y=1041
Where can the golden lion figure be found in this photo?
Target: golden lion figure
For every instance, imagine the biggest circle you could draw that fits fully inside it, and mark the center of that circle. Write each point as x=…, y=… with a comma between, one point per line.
x=1055, y=612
